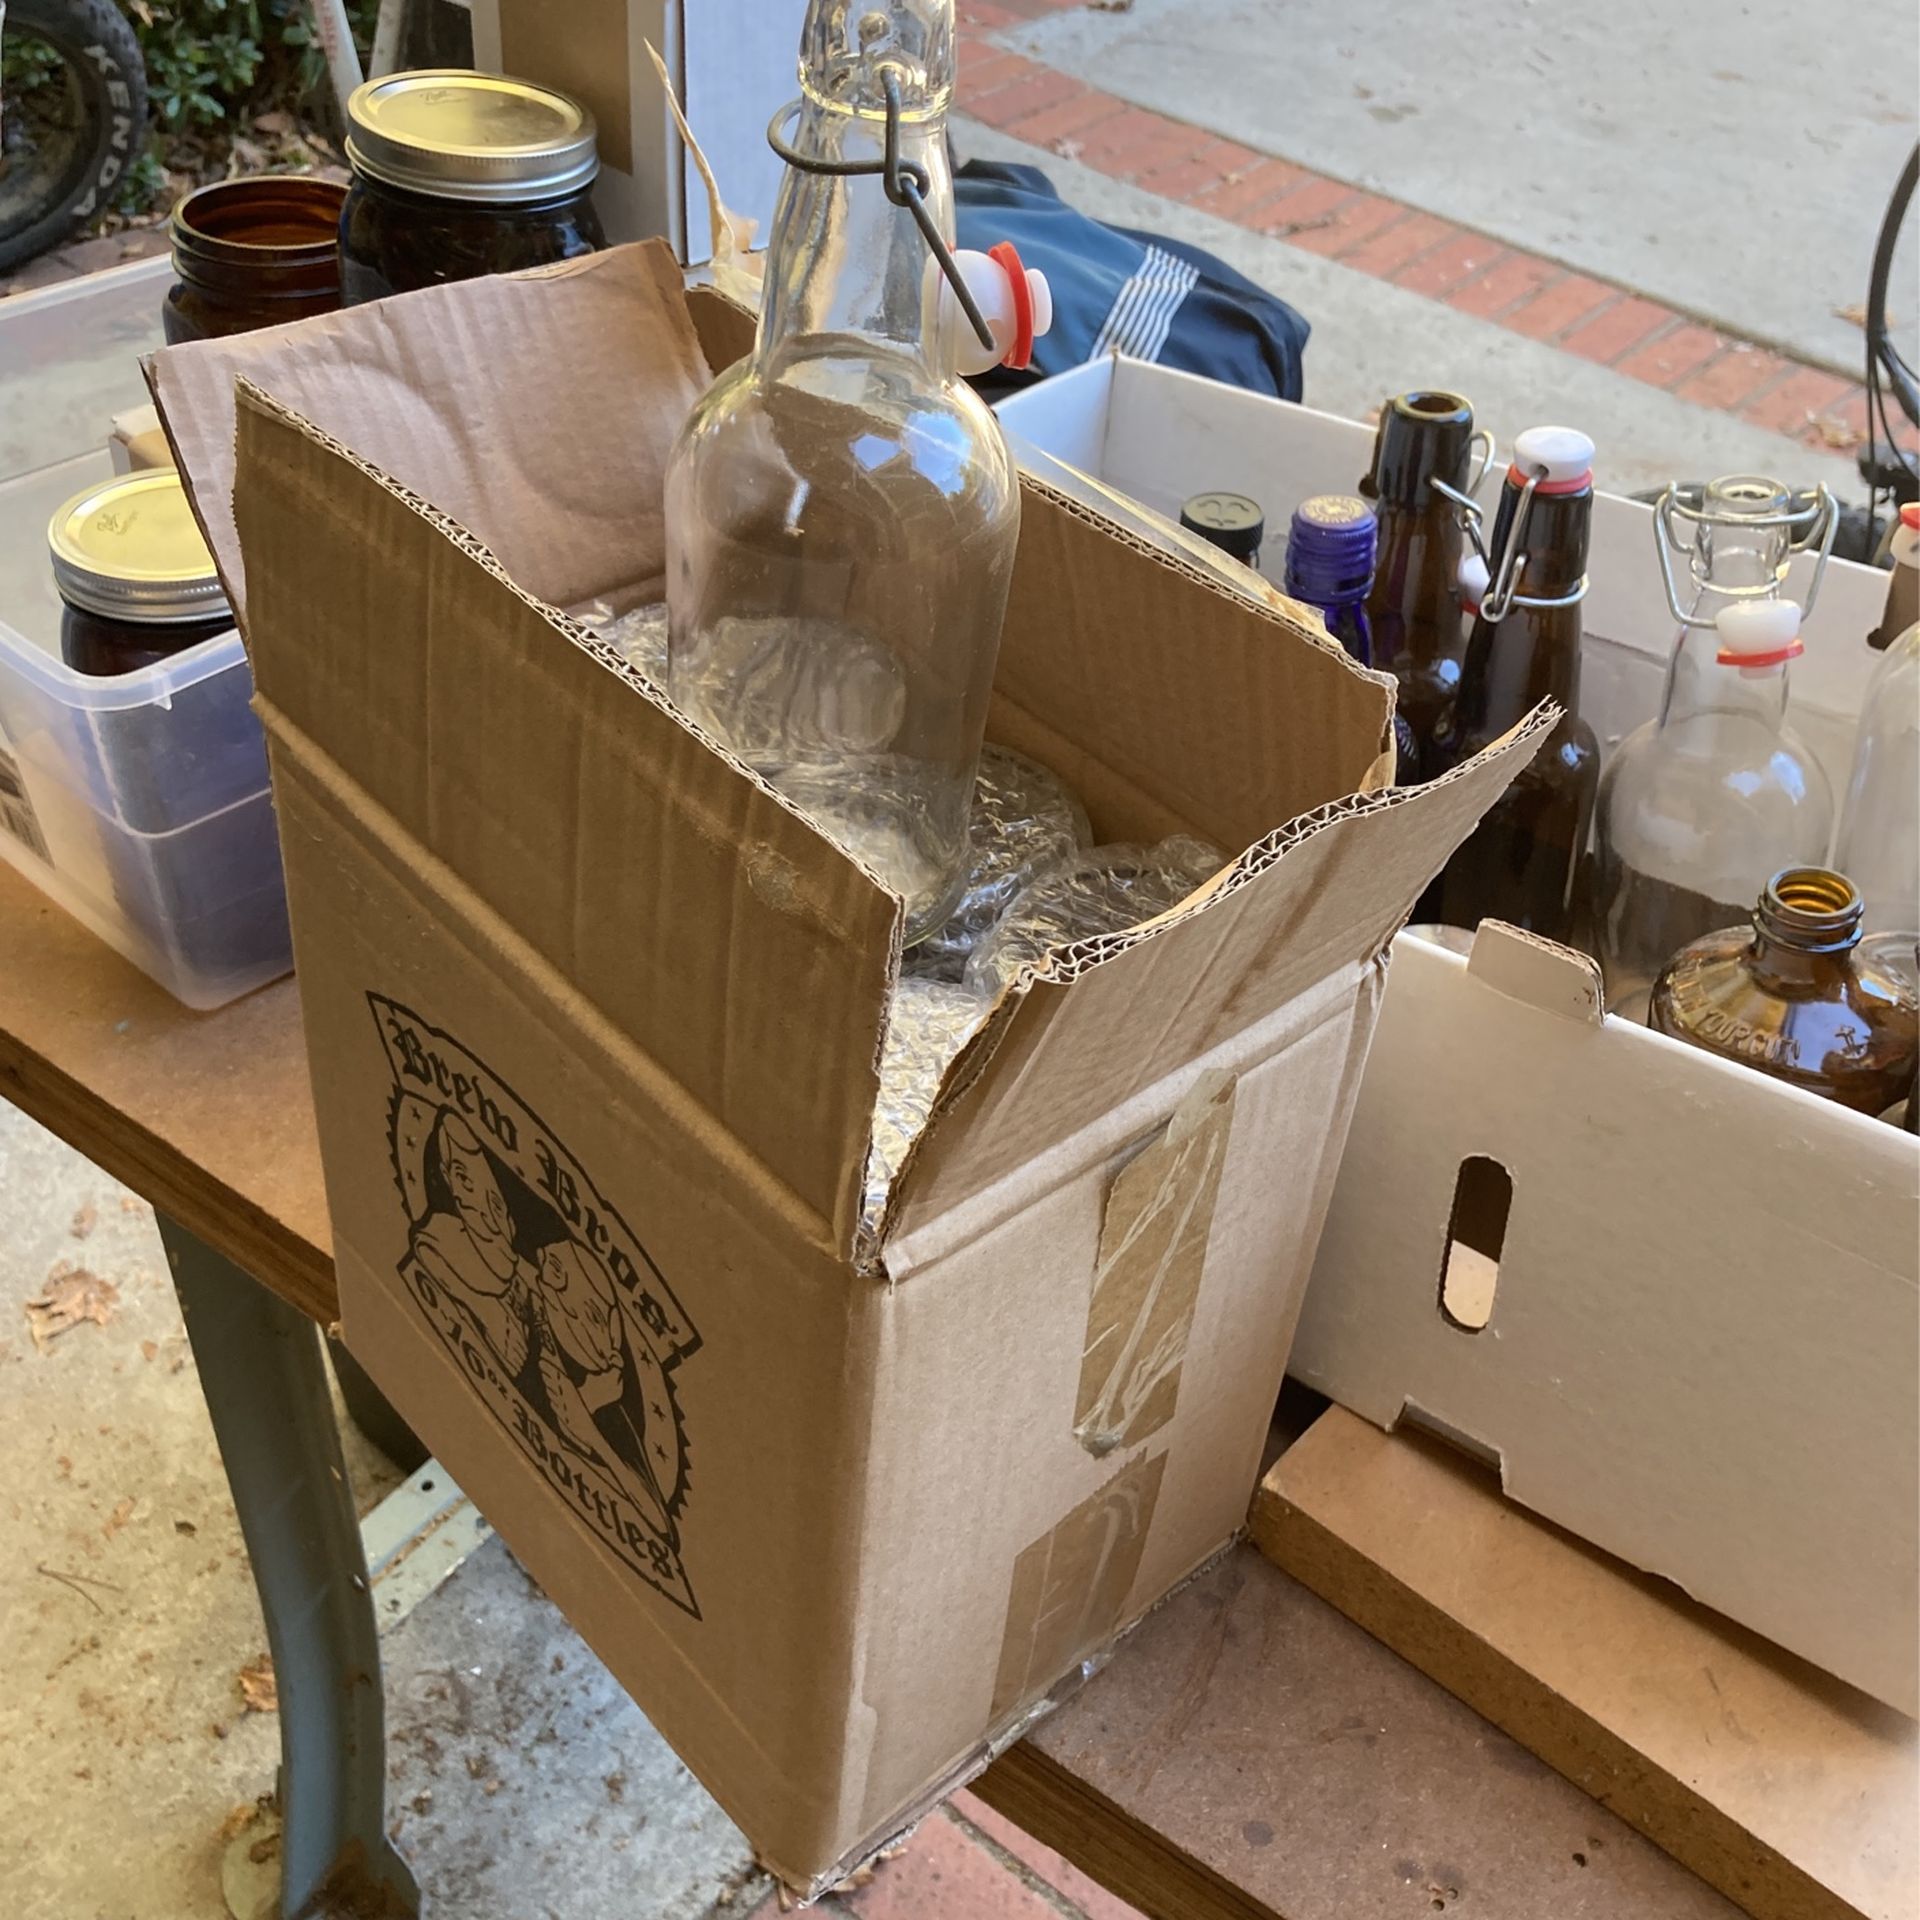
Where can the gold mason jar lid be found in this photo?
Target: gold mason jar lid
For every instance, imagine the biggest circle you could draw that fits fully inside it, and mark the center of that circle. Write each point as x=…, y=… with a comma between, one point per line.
x=459, y=135
x=129, y=550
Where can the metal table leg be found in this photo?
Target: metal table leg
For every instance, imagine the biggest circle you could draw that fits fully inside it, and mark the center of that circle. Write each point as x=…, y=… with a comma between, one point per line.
x=266, y=1388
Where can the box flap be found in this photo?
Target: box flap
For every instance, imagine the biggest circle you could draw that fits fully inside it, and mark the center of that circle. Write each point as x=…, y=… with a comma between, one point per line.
x=397, y=382
x=1169, y=702
x=1326, y=891
x=684, y=900
x=1541, y=972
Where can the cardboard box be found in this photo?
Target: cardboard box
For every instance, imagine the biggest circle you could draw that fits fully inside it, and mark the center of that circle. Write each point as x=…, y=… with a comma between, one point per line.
x=1695, y=1333
x=1159, y=436
x=1701, y=1352
x=594, y=1015
x=135, y=441
x=732, y=61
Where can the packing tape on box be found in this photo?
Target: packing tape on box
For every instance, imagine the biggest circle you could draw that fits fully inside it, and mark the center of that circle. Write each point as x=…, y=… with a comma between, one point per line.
x=1153, y=1249
x=1070, y=1586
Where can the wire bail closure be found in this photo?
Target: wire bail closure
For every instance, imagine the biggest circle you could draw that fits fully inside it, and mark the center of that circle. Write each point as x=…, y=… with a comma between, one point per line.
x=1500, y=598
x=1820, y=519
x=904, y=182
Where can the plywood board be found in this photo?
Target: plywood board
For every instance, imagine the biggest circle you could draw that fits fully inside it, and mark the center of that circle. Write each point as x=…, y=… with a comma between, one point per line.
x=1791, y=1792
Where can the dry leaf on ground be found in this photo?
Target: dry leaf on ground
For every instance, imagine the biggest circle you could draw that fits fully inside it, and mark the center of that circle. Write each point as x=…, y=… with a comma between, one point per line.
x=118, y=1518
x=83, y=1220
x=71, y=1295
x=237, y=1820
x=259, y=1692
x=1837, y=433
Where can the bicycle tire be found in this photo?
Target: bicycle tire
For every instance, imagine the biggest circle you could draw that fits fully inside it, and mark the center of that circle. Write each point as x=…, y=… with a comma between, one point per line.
x=96, y=42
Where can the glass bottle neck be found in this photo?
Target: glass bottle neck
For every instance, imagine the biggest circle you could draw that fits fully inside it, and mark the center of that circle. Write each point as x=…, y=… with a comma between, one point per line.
x=842, y=259
x=1534, y=652
x=1805, y=928
x=1698, y=684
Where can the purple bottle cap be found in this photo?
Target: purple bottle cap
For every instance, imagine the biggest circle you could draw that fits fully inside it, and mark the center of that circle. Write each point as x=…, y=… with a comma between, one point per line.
x=1330, y=548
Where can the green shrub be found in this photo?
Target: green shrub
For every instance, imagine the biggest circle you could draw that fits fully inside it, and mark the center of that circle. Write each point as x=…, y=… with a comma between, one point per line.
x=211, y=62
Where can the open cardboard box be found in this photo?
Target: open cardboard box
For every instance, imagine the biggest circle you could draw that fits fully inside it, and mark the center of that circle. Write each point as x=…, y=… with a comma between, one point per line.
x=594, y=1014
x=1698, y=1290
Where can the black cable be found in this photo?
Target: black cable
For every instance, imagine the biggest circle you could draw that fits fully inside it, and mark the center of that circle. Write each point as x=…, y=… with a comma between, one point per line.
x=1883, y=459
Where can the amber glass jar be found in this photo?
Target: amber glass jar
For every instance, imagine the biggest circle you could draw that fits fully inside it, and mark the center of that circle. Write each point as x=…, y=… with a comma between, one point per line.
x=253, y=252
x=135, y=577
x=1793, y=998
x=457, y=174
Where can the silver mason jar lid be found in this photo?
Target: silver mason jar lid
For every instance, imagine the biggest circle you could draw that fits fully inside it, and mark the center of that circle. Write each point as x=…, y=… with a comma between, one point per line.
x=458, y=135
x=130, y=549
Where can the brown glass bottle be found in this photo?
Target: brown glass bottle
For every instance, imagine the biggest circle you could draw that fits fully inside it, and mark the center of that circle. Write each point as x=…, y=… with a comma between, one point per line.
x=1414, y=607
x=253, y=252
x=1792, y=998
x=1521, y=862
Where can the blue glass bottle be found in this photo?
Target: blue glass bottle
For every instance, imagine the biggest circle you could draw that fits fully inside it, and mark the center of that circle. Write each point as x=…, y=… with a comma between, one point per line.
x=1330, y=552
x=1330, y=556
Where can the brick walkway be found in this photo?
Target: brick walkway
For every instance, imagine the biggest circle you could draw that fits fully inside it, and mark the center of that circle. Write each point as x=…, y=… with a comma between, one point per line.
x=79, y=257
x=967, y=1863
x=1391, y=241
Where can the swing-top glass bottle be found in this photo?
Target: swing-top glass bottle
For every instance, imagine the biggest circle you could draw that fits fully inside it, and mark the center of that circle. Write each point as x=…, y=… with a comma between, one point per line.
x=1701, y=805
x=841, y=508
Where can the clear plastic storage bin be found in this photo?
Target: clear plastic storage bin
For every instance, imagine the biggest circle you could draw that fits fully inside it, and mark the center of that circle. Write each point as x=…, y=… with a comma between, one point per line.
x=138, y=802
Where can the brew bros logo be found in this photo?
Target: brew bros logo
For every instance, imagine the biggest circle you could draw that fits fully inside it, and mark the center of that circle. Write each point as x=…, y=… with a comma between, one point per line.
x=537, y=1287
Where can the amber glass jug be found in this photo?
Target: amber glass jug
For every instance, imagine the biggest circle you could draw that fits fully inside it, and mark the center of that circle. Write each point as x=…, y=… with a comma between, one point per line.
x=253, y=252
x=1792, y=997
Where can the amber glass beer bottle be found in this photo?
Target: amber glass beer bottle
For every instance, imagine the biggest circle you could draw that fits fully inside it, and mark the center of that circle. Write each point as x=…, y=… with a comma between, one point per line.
x=1521, y=863
x=1414, y=605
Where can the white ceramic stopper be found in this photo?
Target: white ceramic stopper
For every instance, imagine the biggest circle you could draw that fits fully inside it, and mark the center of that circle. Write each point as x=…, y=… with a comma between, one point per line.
x=992, y=289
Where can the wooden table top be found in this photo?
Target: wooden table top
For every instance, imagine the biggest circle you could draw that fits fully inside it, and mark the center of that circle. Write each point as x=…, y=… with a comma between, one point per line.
x=1247, y=1752
x=207, y=1115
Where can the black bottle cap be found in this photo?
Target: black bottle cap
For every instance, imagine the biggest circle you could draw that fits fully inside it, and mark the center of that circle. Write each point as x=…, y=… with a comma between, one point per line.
x=1231, y=521
x=1422, y=436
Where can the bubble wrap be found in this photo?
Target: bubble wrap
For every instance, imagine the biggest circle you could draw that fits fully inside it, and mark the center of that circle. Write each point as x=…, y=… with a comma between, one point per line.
x=930, y=1021
x=1024, y=818
x=638, y=636
x=1103, y=891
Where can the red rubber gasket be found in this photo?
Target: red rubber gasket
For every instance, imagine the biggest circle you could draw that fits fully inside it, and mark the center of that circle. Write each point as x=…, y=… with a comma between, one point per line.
x=1019, y=356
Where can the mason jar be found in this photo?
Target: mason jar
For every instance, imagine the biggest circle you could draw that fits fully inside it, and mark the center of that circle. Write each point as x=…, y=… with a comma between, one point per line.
x=136, y=581
x=458, y=174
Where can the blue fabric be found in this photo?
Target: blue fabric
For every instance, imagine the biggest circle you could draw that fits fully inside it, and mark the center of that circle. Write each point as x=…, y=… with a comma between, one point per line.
x=1147, y=294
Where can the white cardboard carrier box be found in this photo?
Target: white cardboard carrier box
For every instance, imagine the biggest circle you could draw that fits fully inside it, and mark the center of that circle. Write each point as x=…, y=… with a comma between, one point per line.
x=1698, y=1342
